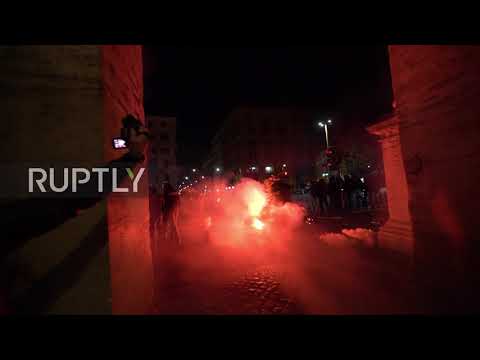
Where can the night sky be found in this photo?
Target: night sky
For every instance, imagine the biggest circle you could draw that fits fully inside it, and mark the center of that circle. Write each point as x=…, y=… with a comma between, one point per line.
x=200, y=85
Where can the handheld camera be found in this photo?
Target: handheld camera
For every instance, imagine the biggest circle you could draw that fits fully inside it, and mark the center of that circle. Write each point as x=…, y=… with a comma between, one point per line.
x=129, y=122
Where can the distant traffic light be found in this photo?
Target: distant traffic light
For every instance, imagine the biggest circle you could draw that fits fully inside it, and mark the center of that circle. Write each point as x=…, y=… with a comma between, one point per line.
x=332, y=157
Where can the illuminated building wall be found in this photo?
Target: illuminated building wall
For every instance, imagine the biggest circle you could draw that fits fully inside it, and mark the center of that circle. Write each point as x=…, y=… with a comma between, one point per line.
x=435, y=134
x=65, y=104
x=267, y=136
x=163, y=150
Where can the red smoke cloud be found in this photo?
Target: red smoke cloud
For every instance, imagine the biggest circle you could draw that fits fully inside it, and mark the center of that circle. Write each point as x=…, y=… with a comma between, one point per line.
x=237, y=216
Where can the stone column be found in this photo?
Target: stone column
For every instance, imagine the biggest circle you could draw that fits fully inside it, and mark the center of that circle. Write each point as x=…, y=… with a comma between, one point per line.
x=51, y=99
x=63, y=105
x=128, y=217
x=397, y=233
x=436, y=89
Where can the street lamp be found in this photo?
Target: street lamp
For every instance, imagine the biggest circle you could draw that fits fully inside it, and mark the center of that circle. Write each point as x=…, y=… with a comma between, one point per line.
x=325, y=126
x=217, y=169
x=194, y=170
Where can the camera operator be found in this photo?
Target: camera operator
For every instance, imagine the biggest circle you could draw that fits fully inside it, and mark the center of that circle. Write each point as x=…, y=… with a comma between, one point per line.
x=33, y=217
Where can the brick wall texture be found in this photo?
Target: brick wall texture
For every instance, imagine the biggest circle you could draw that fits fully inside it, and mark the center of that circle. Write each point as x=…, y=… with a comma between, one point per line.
x=437, y=93
x=64, y=104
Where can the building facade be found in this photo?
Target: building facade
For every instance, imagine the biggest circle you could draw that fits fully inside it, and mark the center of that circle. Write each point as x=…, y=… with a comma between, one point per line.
x=430, y=149
x=259, y=141
x=162, y=157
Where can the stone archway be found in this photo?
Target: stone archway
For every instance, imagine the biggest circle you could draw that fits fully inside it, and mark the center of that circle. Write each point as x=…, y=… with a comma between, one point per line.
x=64, y=104
x=432, y=166
x=128, y=218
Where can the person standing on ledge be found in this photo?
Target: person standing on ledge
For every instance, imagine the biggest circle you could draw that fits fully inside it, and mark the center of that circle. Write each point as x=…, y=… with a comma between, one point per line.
x=28, y=218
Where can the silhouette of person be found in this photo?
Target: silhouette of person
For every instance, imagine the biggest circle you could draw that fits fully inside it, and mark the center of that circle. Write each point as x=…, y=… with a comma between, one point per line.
x=322, y=196
x=170, y=214
x=32, y=217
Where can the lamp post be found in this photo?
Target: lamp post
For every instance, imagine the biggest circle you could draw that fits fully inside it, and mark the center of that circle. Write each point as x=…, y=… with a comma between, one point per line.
x=325, y=127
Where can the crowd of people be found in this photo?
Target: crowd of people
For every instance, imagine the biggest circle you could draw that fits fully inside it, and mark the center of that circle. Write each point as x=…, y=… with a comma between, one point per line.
x=326, y=196
x=340, y=193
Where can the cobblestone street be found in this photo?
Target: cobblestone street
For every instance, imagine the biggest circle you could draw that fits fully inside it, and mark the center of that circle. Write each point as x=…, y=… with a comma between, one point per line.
x=308, y=278
x=256, y=292
x=225, y=288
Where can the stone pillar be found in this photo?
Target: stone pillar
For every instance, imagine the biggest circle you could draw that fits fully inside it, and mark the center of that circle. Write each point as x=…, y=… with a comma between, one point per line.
x=63, y=105
x=128, y=217
x=437, y=92
x=51, y=99
x=396, y=234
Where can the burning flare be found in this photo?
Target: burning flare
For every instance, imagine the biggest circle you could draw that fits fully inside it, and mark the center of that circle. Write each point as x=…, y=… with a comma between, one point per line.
x=256, y=201
x=258, y=224
x=241, y=215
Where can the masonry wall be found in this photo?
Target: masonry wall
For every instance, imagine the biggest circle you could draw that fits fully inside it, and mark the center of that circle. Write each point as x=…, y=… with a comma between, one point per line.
x=51, y=100
x=437, y=95
x=128, y=219
x=64, y=104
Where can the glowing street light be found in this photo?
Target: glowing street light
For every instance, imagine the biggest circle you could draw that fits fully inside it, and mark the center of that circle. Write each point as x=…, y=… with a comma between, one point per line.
x=217, y=169
x=194, y=170
x=268, y=169
x=186, y=177
x=203, y=177
x=325, y=126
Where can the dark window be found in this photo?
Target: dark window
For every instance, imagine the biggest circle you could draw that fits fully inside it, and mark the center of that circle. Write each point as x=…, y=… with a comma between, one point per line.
x=252, y=155
x=265, y=128
x=163, y=150
x=163, y=136
x=165, y=163
x=163, y=124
